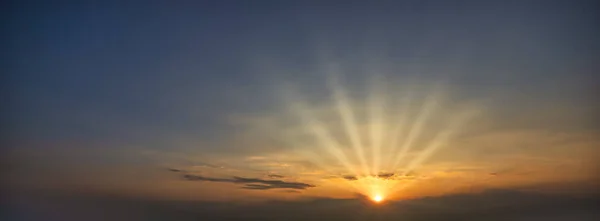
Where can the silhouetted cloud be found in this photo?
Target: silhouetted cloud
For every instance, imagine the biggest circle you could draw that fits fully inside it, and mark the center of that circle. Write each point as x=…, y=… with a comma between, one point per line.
x=350, y=177
x=201, y=178
x=274, y=183
x=256, y=187
x=386, y=175
x=252, y=183
x=275, y=176
x=391, y=176
x=175, y=170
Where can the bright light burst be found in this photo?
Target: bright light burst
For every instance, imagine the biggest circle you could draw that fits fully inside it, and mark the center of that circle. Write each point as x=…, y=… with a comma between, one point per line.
x=377, y=198
x=375, y=144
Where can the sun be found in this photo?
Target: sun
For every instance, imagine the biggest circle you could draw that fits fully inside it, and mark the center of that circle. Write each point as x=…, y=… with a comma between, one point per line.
x=377, y=198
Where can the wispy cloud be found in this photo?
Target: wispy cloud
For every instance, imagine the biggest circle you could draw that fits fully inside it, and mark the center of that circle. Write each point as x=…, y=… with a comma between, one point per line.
x=252, y=183
x=275, y=176
x=175, y=170
x=349, y=177
x=387, y=176
x=256, y=187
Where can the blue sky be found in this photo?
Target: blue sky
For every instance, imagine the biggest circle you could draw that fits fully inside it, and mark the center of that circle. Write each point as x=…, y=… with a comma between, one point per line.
x=144, y=65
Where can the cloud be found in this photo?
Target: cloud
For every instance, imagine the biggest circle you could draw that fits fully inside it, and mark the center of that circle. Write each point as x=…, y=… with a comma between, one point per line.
x=274, y=183
x=201, y=178
x=256, y=187
x=175, y=170
x=350, y=177
x=390, y=176
x=252, y=183
x=386, y=175
x=275, y=176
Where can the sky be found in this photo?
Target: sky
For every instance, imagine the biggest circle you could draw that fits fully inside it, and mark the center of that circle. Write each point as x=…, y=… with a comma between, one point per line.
x=233, y=107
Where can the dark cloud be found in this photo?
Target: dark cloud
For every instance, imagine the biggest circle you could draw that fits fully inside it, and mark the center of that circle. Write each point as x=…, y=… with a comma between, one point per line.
x=391, y=176
x=175, y=170
x=275, y=176
x=201, y=178
x=252, y=183
x=274, y=183
x=350, y=177
x=386, y=175
x=256, y=187
x=400, y=175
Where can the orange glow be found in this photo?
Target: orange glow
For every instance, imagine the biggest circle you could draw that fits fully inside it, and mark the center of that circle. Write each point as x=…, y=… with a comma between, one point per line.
x=377, y=198
x=364, y=142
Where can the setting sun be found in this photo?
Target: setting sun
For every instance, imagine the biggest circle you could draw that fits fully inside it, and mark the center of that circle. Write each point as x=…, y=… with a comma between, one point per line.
x=377, y=198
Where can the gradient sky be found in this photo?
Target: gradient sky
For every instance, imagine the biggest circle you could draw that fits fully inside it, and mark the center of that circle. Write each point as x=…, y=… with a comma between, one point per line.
x=174, y=100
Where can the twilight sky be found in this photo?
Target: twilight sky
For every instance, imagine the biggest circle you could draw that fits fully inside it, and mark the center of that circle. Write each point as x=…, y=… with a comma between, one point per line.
x=237, y=101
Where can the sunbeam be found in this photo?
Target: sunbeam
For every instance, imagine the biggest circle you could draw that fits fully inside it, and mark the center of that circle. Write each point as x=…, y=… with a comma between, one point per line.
x=417, y=128
x=441, y=139
x=347, y=115
x=303, y=148
x=400, y=127
x=324, y=137
x=381, y=141
x=375, y=110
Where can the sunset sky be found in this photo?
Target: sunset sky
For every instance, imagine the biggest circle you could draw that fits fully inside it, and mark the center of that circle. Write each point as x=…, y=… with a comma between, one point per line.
x=240, y=102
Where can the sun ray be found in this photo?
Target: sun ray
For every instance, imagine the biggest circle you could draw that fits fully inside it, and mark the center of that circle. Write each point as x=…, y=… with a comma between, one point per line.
x=417, y=127
x=381, y=141
x=441, y=138
x=300, y=148
x=312, y=125
x=375, y=105
x=438, y=141
x=398, y=130
x=348, y=119
x=324, y=137
x=319, y=161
